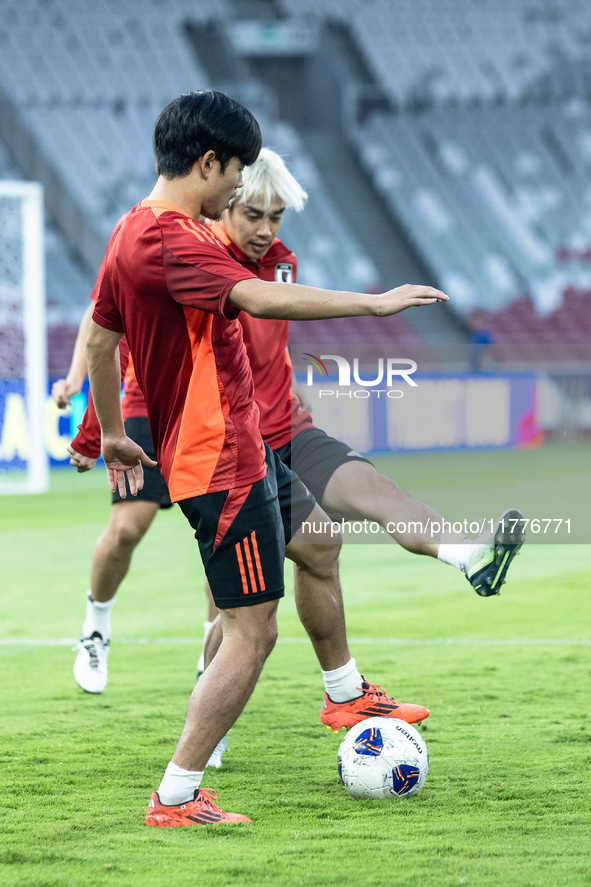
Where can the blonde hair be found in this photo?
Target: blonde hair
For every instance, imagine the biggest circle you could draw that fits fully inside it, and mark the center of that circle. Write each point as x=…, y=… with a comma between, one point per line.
x=267, y=179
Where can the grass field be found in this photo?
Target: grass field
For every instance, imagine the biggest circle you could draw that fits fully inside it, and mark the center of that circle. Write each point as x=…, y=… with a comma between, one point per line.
x=508, y=797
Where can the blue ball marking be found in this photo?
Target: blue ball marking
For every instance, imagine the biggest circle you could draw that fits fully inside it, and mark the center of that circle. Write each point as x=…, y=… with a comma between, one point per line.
x=370, y=742
x=404, y=776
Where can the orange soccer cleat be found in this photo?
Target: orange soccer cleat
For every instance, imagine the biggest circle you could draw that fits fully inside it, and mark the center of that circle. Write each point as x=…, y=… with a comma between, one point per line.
x=200, y=811
x=373, y=703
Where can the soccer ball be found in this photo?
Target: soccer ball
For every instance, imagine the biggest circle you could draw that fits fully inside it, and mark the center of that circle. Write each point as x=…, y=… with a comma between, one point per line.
x=383, y=758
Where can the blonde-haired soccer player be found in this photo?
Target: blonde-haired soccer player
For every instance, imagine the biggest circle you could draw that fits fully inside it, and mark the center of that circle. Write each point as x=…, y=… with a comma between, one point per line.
x=344, y=483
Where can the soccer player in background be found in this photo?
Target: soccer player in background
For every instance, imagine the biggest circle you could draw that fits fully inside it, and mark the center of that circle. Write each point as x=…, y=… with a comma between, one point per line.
x=129, y=520
x=174, y=292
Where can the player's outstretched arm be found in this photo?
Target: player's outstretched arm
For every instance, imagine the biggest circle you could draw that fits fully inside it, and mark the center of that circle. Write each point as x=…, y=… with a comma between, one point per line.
x=290, y=301
x=406, y=296
x=64, y=389
x=123, y=458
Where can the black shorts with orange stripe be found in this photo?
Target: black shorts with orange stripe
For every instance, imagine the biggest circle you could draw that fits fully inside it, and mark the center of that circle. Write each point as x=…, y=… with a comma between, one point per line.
x=242, y=534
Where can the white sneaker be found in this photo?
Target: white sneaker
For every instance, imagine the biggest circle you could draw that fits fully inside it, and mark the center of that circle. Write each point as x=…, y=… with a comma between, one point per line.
x=215, y=759
x=90, y=667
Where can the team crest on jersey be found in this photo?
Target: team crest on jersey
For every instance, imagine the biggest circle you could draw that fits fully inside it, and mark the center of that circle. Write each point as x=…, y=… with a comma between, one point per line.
x=284, y=272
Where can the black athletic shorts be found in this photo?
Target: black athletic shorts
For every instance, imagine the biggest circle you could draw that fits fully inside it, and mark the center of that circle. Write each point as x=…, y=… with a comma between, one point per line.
x=242, y=534
x=154, y=489
x=314, y=457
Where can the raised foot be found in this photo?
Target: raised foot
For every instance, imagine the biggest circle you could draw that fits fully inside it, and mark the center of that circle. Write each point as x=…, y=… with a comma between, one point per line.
x=487, y=574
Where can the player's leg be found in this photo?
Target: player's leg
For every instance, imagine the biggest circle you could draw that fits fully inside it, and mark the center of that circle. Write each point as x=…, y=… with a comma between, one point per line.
x=349, y=487
x=357, y=491
x=317, y=588
x=213, y=640
x=242, y=546
x=128, y=523
x=248, y=637
x=348, y=696
x=314, y=546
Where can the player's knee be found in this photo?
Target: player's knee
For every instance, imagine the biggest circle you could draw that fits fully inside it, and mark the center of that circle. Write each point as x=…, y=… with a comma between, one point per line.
x=379, y=484
x=253, y=628
x=263, y=640
x=127, y=535
x=319, y=560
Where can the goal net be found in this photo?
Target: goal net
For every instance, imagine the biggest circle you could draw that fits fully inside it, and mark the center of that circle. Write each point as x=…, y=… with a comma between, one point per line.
x=23, y=358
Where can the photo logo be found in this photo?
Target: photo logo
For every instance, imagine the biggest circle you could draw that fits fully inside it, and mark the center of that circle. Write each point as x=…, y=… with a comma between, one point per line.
x=399, y=367
x=389, y=370
x=314, y=362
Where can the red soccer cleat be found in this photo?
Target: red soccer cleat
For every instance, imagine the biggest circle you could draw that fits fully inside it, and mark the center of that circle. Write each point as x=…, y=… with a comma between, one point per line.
x=200, y=811
x=373, y=703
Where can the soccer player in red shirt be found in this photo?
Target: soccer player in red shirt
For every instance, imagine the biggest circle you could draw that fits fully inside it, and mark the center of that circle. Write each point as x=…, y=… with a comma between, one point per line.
x=129, y=520
x=174, y=292
x=343, y=482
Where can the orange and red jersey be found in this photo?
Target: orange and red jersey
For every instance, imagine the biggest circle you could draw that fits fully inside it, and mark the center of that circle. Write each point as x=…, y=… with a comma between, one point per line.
x=165, y=285
x=282, y=416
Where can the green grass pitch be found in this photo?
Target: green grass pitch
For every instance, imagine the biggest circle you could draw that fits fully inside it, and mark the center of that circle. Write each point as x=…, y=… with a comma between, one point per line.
x=507, y=799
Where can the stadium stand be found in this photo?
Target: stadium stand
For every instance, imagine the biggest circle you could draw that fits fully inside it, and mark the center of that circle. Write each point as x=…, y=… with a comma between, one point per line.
x=483, y=157
x=82, y=86
x=440, y=52
x=89, y=82
x=484, y=196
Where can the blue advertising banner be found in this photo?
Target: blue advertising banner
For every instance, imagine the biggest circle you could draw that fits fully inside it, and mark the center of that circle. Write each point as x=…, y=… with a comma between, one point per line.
x=60, y=425
x=442, y=412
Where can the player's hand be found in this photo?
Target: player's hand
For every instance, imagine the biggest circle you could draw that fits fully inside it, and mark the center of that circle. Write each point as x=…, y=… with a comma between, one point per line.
x=81, y=463
x=62, y=391
x=124, y=458
x=406, y=296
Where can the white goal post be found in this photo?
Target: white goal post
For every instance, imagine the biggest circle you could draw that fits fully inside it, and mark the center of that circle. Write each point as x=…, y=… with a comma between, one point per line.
x=23, y=349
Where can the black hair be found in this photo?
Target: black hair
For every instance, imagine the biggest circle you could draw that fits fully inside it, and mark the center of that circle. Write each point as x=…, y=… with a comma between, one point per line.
x=200, y=121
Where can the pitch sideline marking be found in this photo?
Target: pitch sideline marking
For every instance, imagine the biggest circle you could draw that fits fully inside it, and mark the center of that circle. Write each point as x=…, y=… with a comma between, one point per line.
x=402, y=642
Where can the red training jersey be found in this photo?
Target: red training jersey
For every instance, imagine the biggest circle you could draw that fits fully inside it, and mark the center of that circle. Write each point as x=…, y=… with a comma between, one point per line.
x=165, y=286
x=282, y=415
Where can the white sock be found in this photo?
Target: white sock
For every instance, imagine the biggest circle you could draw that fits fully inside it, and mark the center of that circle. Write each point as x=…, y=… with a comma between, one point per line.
x=344, y=683
x=98, y=617
x=179, y=786
x=460, y=554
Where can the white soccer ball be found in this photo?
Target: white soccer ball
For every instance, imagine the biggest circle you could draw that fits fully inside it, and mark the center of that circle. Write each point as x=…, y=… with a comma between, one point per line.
x=383, y=758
